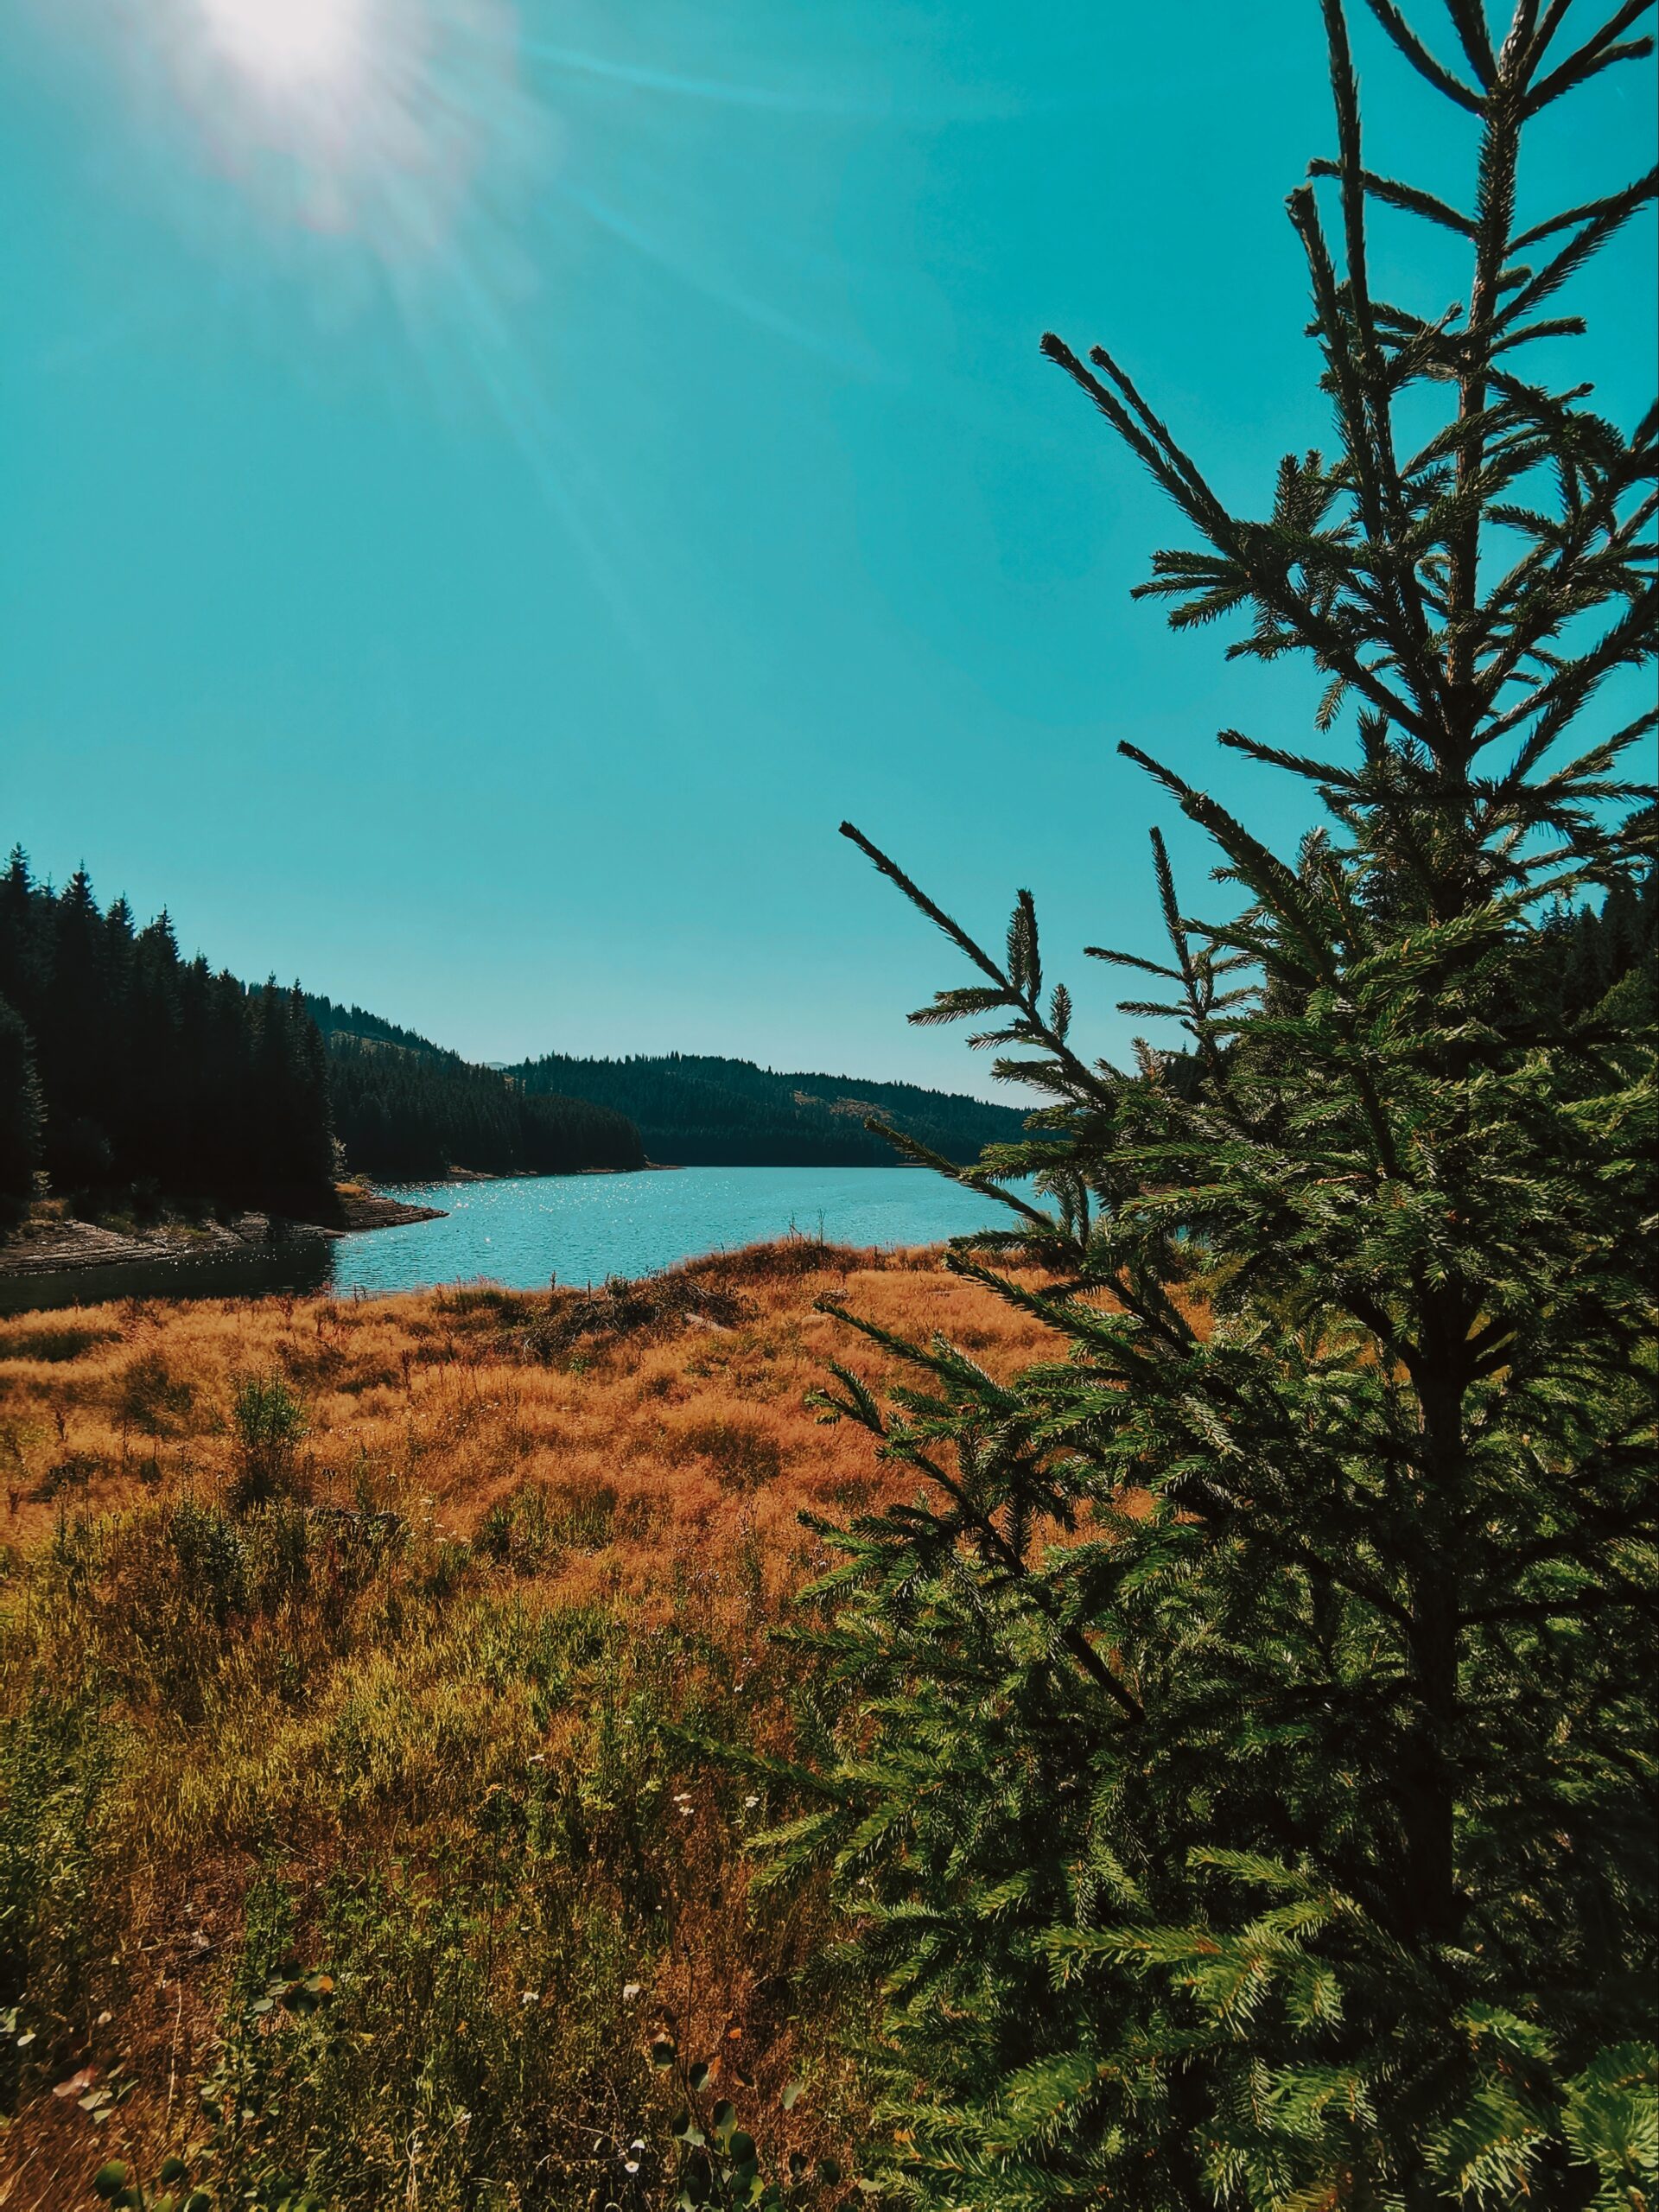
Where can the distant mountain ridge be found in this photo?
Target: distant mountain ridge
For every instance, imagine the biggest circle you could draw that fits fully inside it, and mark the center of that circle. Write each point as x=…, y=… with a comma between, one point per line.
x=697, y=1110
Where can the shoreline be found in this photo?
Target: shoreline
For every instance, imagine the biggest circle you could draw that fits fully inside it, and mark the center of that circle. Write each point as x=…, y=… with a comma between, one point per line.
x=52, y=1260
x=53, y=1248
x=537, y=1174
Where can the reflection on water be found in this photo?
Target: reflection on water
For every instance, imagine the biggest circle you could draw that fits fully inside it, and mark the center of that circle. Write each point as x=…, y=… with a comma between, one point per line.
x=528, y=1230
x=297, y=1263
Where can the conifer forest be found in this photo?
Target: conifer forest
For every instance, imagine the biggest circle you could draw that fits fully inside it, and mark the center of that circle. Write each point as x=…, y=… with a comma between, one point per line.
x=1148, y=1705
x=131, y=1074
x=126, y=1064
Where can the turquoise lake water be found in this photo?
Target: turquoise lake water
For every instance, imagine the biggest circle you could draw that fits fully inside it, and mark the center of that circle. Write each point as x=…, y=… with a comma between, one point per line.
x=529, y=1230
x=582, y=1228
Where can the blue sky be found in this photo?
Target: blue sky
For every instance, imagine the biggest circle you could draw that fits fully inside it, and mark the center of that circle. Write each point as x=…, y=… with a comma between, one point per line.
x=471, y=525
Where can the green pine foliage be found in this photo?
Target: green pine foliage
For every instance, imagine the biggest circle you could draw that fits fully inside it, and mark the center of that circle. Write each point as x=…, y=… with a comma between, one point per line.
x=157, y=1077
x=696, y=1110
x=1246, y=1784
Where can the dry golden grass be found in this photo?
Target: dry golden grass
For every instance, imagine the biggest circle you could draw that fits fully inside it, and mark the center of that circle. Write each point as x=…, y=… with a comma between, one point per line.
x=449, y=1758
x=685, y=1423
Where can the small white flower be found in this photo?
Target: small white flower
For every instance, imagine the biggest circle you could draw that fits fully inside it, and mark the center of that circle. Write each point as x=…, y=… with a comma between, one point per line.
x=749, y=1804
x=531, y=1997
x=631, y=2165
x=630, y=1991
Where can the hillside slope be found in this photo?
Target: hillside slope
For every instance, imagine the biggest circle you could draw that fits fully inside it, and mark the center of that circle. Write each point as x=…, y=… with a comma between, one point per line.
x=408, y=1111
x=699, y=1110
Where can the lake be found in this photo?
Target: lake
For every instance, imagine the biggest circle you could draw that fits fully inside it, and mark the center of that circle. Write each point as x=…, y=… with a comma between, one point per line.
x=581, y=1229
x=525, y=1231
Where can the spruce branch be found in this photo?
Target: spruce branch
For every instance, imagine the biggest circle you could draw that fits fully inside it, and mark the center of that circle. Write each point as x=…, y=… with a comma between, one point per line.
x=1602, y=51
x=1421, y=60
x=1410, y=199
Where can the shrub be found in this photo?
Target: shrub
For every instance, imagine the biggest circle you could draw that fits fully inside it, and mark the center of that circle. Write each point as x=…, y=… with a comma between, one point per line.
x=269, y=1422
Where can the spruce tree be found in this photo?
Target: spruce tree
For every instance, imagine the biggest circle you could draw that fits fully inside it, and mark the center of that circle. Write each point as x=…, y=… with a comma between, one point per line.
x=20, y=1116
x=25, y=916
x=72, y=1036
x=1247, y=1789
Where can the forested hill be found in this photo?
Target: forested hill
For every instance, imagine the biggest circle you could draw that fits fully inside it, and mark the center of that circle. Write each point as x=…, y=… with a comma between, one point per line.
x=134, y=1080
x=694, y=1110
x=357, y=1021
x=408, y=1111
x=130, y=1074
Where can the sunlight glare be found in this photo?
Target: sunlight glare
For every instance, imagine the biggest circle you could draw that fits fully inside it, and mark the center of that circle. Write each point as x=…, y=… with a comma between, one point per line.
x=288, y=44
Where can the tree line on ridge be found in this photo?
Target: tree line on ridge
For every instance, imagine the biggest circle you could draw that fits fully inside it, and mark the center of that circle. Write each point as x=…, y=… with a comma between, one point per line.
x=132, y=1077
x=697, y=1110
x=407, y=1111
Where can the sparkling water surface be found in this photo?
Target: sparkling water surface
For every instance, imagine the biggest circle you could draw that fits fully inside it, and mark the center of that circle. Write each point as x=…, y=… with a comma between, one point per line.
x=525, y=1231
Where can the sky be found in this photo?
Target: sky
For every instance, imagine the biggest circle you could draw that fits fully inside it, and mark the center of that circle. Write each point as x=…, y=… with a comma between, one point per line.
x=485, y=485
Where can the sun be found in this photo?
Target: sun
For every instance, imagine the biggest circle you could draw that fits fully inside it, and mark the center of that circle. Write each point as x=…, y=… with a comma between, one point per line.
x=363, y=137
x=288, y=45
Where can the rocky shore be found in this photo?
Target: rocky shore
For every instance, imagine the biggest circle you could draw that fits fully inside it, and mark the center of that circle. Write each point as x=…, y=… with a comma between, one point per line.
x=48, y=1246
x=374, y=1210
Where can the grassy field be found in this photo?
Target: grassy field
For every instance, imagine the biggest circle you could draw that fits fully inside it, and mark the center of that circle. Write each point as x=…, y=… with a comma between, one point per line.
x=349, y=1838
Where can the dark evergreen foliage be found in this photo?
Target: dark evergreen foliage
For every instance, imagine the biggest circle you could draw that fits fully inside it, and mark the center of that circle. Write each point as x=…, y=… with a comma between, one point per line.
x=21, y=1115
x=335, y=1020
x=157, y=1077
x=1249, y=1790
x=134, y=1076
x=698, y=1110
x=407, y=1114
x=1585, y=953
